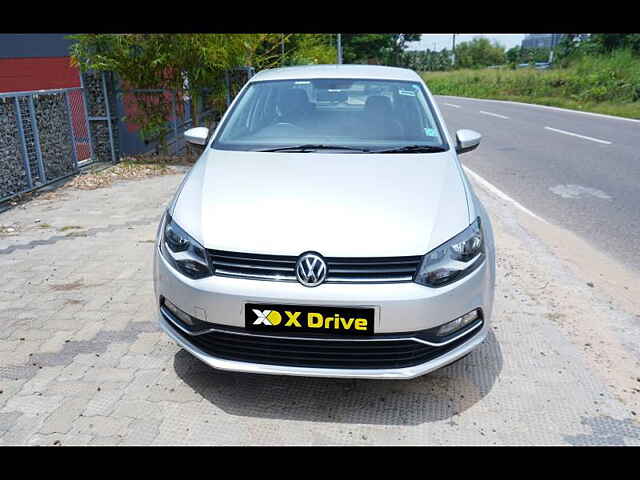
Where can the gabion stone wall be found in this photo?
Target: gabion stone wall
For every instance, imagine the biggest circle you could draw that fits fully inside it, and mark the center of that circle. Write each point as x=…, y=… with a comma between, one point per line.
x=94, y=85
x=56, y=140
x=36, y=141
x=29, y=128
x=13, y=177
x=100, y=140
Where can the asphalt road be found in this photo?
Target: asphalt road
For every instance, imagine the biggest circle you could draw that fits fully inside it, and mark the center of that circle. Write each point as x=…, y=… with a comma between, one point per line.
x=575, y=170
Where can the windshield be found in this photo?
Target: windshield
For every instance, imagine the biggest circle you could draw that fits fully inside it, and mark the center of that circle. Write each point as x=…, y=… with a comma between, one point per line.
x=326, y=114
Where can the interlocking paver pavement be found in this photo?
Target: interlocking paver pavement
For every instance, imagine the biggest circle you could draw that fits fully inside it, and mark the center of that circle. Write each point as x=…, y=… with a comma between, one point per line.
x=83, y=361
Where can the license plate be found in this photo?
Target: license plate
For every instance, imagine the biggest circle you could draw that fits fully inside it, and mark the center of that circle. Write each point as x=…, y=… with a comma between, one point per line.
x=298, y=318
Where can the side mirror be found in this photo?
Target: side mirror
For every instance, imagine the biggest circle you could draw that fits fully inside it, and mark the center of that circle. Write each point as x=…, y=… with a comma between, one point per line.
x=467, y=140
x=197, y=135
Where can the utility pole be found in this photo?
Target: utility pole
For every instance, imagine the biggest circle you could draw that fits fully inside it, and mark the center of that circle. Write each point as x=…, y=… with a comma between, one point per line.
x=339, y=48
x=453, y=50
x=554, y=41
x=282, y=49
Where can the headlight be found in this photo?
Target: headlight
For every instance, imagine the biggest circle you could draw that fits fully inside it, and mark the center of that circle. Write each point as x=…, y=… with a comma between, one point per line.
x=454, y=259
x=183, y=252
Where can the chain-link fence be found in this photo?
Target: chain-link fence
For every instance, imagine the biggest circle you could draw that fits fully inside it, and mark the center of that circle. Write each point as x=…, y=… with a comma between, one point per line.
x=43, y=137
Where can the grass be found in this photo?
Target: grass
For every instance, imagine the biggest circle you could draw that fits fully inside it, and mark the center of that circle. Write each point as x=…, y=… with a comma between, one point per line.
x=608, y=84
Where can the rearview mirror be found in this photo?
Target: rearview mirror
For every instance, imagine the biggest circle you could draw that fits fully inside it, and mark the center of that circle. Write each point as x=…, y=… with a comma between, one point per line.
x=467, y=140
x=197, y=135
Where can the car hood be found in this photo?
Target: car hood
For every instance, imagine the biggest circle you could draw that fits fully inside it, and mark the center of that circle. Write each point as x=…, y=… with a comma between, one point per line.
x=339, y=205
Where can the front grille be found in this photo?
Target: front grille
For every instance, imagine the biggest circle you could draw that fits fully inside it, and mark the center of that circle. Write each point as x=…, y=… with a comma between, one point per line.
x=357, y=354
x=339, y=270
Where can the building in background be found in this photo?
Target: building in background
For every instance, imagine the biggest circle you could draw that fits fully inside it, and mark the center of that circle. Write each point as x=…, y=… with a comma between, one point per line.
x=541, y=40
x=36, y=61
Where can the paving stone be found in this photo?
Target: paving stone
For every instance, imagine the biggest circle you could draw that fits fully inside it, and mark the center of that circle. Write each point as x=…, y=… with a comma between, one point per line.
x=101, y=426
x=89, y=330
x=140, y=386
x=142, y=362
x=142, y=432
x=74, y=371
x=61, y=420
x=106, y=441
x=145, y=343
x=139, y=409
x=41, y=380
x=109, y=374
x=24, y=428
x=33, y=404
x=7, y=420
x=58, y=439
x=102, y=403
x=70, y=388
x=56, y=343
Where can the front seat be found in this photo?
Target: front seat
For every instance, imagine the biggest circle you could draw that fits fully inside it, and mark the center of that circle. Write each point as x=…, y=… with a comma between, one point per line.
x=294, y=106
x=379, y=118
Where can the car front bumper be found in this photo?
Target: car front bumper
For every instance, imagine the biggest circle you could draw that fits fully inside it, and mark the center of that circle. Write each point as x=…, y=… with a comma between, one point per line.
x=399, y=308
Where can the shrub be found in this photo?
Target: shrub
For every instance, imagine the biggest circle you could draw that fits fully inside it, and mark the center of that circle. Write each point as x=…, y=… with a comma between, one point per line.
x=608, y=83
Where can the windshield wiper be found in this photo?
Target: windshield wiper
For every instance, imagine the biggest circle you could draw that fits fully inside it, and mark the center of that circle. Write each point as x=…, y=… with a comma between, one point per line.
x=310, y=147
x=412, y=149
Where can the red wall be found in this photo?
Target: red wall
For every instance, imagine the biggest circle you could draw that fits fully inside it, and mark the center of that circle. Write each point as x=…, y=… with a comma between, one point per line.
x=24, y=74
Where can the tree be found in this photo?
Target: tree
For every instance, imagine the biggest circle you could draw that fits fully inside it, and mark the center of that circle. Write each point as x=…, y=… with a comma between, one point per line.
x=576, y=44
x=180, y=63
x=532, y=55
x=567, y=47
x=308, y=49
x=479, y=52
x=513, y=54
x=607, y=42
x=382, y=48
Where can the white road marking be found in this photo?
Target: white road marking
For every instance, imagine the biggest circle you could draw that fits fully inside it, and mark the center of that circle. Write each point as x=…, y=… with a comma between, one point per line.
x=494, y=114
x=452, y=105
x=577, y=191
x=579, y=136
x=500, y=194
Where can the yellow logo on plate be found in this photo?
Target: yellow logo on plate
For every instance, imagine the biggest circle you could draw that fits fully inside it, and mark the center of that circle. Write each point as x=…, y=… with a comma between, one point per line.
x=274, y=317
x=267, y=317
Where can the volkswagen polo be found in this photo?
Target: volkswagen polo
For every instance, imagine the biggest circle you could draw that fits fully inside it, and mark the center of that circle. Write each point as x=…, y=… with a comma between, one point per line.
x=327, y=229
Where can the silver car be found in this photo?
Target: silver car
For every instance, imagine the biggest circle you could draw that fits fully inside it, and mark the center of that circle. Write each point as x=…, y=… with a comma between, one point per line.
x=327, y=230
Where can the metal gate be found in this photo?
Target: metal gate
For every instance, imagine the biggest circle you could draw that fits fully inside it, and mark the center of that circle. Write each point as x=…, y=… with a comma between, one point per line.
x=44, y=135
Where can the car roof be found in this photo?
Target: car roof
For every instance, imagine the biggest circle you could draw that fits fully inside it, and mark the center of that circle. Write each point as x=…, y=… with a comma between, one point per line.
x=375, y=72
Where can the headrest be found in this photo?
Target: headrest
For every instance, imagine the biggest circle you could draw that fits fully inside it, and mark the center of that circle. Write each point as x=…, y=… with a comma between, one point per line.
x=378, y=104
x=293, y=100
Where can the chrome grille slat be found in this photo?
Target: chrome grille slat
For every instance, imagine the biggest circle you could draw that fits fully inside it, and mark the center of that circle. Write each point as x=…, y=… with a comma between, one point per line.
x=339, y=270
x=259, y=267
x=226, y=273
x=369, y=280
x=382, y=260
x=291, y=260
x=373, y=270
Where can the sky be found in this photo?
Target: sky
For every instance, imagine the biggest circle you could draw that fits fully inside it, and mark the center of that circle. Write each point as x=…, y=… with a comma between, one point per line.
x=444, y=40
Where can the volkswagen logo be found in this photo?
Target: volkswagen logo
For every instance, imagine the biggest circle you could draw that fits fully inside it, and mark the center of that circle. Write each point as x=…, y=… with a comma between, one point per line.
x=311, y=270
